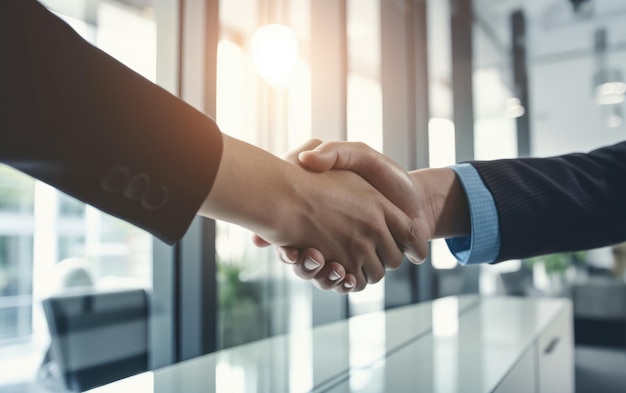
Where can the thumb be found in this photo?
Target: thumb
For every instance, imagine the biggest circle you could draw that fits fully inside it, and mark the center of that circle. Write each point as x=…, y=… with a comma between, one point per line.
x=292, y=155
x=321, y=159
x=380, y=171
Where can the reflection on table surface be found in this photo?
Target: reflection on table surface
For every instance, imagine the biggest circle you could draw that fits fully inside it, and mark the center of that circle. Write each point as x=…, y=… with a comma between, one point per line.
x=451, y=344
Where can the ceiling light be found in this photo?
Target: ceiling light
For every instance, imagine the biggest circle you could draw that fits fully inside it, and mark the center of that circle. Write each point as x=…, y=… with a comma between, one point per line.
x=610, y=93
x=275, y=53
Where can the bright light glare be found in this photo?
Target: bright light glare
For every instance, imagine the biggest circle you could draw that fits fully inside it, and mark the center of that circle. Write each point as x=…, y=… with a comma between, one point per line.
x=610, y=93
x=441, y=256
x=441, y=147
x=446, y=317
x=514, y=108
x=275, y=53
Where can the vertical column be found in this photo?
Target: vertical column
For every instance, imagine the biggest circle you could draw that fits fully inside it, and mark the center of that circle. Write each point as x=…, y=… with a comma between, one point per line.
x=196, y=266
x=520, y=78
x=329, y=66
x=461, y=19
x=397, y=76
x=208, y=277
x=44, y=250
x=328, y=59
x=162, y=332
x=462, y=87
x=404, y=78
x=423, y=280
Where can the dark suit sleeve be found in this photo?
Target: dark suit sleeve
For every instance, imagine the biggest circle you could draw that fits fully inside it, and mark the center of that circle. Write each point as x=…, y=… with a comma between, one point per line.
x=77, y=119
x=566, y=203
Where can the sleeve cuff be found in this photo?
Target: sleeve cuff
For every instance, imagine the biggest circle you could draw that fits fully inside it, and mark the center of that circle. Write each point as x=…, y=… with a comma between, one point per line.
x=483, y=244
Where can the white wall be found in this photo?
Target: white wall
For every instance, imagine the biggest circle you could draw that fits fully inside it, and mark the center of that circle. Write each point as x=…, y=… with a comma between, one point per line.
x=564, y=115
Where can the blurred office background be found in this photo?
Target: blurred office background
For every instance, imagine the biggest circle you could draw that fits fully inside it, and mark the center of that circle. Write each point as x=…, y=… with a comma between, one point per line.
x=428, y=83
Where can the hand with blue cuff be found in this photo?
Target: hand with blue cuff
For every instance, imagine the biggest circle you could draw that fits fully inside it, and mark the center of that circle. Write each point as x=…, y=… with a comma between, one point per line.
x=493, y=211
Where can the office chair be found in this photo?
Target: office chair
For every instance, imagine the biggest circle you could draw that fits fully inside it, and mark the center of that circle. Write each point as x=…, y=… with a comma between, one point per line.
x=97, y=337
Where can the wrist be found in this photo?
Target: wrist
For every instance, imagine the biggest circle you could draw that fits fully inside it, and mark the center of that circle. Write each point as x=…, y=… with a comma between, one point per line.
x=246, y=187
x=444, y=202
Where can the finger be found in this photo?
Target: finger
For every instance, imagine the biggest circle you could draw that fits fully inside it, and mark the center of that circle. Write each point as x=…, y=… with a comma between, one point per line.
x=288, y=255
x=322, y=157
x=347, y=285
x=330, y=276
x=417, y=252
x=292, y=155
x=415, y=247
x=361, y=278
x=373, y=269
x=389, y=252
x=259, y=241
x=406, y=234
x=309, y=263
x=360, y=281
x=379, y=250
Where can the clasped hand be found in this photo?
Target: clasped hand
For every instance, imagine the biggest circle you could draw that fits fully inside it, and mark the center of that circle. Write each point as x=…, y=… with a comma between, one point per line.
x=384, y=197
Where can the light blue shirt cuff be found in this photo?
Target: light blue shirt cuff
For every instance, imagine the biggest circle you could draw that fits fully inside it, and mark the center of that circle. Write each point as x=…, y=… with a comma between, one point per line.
x=483, y=244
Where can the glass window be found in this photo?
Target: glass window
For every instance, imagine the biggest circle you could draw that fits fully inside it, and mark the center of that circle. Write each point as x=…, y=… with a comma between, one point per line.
x=567, y=66
x=365, y=108
x=16, y=192
x=241, y=269
x=258, y=295
x=48, y=240
x=16, y=289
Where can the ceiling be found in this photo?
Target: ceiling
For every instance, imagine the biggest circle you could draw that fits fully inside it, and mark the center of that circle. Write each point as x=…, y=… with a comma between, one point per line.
x=556, y=28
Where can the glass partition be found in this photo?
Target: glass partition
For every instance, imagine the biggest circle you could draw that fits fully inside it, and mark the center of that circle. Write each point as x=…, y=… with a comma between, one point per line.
x=365, y=108
x=51, y=243
x=549, y=76
x=258, y=295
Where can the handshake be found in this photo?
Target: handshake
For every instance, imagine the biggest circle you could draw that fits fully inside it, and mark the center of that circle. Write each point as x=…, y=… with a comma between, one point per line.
x=351, y=213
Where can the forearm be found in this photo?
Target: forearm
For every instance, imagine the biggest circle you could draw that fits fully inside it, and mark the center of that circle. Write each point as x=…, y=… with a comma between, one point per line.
x=558, y=204
x=246, y=185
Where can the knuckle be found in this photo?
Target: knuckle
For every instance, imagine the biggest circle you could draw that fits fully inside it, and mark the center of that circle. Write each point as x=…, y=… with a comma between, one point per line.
x=412, y=234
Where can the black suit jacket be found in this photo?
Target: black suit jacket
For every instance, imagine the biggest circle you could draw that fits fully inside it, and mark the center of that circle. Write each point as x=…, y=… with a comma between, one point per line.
x=566, y=203
x=73, y=117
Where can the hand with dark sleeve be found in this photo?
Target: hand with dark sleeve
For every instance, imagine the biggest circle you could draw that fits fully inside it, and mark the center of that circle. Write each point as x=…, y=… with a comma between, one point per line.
x=565, y=203
x=543, y=205
x=79, y=120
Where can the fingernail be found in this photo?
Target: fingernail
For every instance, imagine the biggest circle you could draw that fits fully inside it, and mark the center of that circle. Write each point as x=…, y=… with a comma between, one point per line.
x=286, y=259
x=414, y=260
x=334, y=276
x=348, y=284
x=311, y=264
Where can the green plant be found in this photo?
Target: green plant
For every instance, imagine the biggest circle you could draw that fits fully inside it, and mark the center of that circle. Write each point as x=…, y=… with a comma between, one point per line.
x=559, y=262
x=230, y=284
